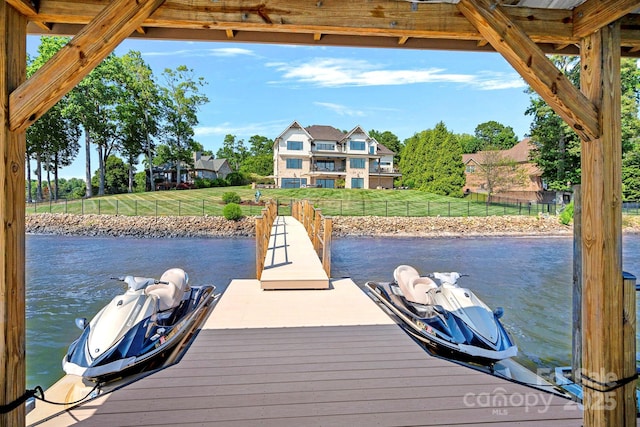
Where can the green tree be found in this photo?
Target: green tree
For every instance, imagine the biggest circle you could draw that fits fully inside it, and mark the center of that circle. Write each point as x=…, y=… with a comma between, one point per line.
x=260, y=156
x=116, y=178
x=53, y=139
x=557, y=152
x=448, y=169
x=631, y=176
x=93, y=103
x=495, y=135
x=470, y=144
x=234, y=151
x=432, y=161
x=182, y=99
x=138, y=112
x=389, y=140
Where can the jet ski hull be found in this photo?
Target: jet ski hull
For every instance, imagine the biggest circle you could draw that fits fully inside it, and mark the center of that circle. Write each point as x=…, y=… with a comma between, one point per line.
x=144, y=345
x=442, y=331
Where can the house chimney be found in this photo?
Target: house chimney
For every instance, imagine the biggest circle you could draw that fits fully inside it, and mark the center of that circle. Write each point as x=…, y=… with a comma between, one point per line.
x=196, y=156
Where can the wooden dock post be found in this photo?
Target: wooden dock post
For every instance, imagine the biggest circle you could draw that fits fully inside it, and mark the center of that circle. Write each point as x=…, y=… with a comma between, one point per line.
x=13, y=57
x=604, y=369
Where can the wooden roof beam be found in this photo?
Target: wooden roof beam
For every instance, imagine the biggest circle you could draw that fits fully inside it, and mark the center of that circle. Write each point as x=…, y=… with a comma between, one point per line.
x=531, y=63
x=24, y=7
x=592, y=15
x=74, y=61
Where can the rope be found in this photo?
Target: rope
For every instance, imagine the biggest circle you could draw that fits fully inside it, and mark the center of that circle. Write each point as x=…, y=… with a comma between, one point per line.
x=607, y=387
x=5, y=409
x=38, y=393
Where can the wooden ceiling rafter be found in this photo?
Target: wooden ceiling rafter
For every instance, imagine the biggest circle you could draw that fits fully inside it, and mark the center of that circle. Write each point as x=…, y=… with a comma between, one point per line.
x=532, y=64
x=381, y=18
x=592, y=15
x=24, y=7
x=29, y=11
x=117, y=21
x=419, y=25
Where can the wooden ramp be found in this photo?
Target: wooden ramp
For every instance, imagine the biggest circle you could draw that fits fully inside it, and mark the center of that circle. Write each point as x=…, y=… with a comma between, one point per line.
x=315, y=358
x=291, y=261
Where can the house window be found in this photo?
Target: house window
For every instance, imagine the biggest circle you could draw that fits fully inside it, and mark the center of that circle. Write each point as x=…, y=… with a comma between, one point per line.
x=356, y=145
x=357, y=182
x=325, y=147
x=356, y=163
x=294, y=145
x=325, y=183
x=372, y=150
x=294, y=163
x=471, y=168
x=325, y=165
x=293, y=182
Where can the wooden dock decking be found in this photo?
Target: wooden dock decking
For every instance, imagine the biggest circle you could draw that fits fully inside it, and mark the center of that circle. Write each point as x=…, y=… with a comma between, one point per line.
x=310, y=358
x=313, y=357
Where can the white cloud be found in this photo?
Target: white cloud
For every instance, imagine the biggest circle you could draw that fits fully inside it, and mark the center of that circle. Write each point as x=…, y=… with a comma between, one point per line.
x=341, y=110
x=243, y=131
x=219, y=52
x=339, y=72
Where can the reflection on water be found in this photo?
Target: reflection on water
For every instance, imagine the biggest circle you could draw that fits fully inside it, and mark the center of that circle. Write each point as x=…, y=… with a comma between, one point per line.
x=69, y=277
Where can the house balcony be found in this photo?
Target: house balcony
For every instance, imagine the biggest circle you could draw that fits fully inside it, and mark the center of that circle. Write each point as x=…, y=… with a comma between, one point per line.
x=323, y=167
x=384, y=171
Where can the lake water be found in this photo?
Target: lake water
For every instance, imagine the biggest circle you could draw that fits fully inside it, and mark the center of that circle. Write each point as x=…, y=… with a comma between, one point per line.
x=69, y=277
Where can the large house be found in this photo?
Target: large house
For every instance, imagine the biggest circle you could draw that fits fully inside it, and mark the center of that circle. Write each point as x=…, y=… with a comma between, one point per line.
x=530, y=189
x=323, y=156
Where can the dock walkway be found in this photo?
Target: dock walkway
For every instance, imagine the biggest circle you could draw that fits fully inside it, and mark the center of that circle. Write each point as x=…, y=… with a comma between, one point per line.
x=291, y=261
x=321, y=357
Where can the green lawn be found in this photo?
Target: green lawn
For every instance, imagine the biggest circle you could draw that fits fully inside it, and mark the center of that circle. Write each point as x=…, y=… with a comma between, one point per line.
x=332, y=202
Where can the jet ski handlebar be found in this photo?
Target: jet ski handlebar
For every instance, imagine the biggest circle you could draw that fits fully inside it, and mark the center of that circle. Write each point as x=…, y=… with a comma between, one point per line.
x=448, y=277
x=136, y=283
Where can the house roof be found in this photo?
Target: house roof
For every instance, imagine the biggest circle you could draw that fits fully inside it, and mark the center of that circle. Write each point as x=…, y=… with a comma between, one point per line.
x=209, y=163
x=518, y=153
x=325, y=133
x=384, y=150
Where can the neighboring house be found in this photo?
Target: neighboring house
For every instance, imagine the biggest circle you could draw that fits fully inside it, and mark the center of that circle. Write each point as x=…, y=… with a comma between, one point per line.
x=165, y=176
x=323, y=156
x=207, y=167
x=530, y=190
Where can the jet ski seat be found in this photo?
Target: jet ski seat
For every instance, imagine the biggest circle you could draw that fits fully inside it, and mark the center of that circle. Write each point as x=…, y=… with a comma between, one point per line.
x=169, y=294
x=413, y=286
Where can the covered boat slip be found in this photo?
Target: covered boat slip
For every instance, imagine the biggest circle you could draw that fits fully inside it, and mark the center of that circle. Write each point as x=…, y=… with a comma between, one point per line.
x=520, y=31
x=315, y=357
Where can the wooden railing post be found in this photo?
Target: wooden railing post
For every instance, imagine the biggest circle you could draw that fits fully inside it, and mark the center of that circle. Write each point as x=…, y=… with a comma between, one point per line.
x=326, y=246
x=264, y=223
x=259, y=246
x=316, y=229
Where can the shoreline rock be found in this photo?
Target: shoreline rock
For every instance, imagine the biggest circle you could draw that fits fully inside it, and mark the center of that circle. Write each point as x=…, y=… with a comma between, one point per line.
x=370, y=226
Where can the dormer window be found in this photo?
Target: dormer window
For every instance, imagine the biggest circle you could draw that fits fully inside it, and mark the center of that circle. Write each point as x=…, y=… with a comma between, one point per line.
x=294, y=145
x=357, y=145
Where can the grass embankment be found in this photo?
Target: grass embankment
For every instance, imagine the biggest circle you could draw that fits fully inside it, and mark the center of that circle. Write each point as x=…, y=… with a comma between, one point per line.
x=343, y=202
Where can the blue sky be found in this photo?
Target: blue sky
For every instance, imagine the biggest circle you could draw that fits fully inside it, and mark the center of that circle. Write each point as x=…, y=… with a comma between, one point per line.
x=261, y=89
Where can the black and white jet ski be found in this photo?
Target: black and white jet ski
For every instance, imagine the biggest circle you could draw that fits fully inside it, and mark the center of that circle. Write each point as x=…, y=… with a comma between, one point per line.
x=139, y=326
x=450, y=319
